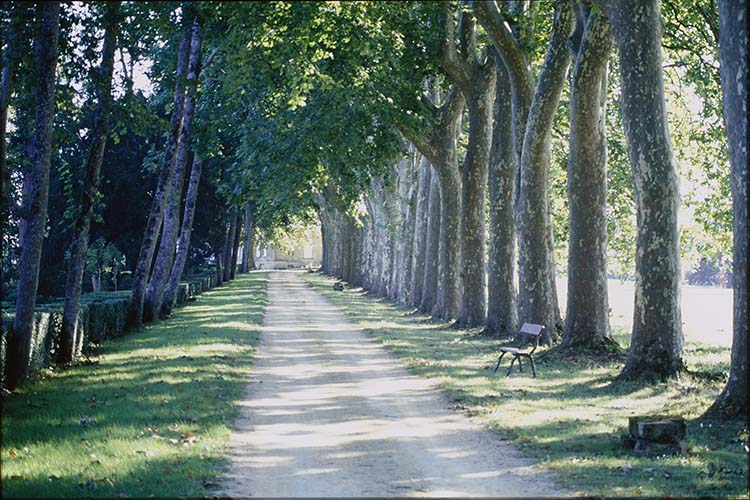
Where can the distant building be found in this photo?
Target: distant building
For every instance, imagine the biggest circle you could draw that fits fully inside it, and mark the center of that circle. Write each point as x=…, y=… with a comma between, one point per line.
x=307, y=255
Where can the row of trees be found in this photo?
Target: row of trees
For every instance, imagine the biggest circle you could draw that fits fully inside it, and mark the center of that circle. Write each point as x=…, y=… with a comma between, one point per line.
x=81, y=98
x=421, y=241
x=434, y=124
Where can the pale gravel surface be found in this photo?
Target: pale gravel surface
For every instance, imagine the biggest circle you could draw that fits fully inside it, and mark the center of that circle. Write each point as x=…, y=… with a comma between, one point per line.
x=330, y=413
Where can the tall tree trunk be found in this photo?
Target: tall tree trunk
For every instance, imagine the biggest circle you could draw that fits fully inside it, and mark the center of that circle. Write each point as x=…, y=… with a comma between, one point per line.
x=229, y=245
x=156, y=214
x=406, y=236
x=501, y=303
x=516, y=61
x=35, y=196
x=657, y=340
x=219, y=258
x=183, y=244
x=473, y=199
x=476, y=79
x=344, y=253
x=248, y=252
x=171, y=225
x=420, y=231
x=79, y=244
x=400, y=224
x=733, y=18
x=432, y=247
x=448, y=299
x=440, y=149
x=324, y=246
x=587, y=317
x=373, y=203
x=236, y=245
x=537, y=299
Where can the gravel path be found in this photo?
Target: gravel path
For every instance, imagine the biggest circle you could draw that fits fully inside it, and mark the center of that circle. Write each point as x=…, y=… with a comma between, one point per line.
x=330, y=413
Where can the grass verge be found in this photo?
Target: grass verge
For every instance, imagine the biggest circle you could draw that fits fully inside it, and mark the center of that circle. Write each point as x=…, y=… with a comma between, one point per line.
x=571, y=418
x=149, y=414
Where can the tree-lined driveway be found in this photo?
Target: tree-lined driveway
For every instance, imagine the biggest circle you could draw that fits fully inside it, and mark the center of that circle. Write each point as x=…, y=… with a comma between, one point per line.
x=330, y=413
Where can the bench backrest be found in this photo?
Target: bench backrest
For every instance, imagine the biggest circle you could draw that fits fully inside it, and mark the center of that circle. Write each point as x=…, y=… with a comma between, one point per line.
x=530, y=330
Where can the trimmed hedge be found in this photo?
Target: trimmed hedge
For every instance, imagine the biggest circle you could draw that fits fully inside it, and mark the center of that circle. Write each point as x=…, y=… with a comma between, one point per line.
x=103, y=315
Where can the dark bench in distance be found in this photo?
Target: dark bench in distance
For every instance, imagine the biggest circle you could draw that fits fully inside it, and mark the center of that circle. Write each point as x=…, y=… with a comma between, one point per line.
x=527, y=341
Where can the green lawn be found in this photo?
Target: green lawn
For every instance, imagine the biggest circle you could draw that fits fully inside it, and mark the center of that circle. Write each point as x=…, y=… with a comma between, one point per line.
x=571, y=418
x=158, y=405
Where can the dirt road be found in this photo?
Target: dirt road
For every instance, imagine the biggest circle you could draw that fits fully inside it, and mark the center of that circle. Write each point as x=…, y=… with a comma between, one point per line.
x=330, y=413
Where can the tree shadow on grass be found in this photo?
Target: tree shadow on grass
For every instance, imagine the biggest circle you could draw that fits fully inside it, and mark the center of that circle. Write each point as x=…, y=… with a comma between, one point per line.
x=572, y=416
x=150, y=418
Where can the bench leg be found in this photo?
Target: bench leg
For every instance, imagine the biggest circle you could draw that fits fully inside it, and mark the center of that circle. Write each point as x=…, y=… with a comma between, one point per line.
x=533, y=367
x=498, y=362
x=511, y=366
x=520, y=365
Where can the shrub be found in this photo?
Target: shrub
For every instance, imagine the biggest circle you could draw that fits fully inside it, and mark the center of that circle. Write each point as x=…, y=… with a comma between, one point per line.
x=102, y=315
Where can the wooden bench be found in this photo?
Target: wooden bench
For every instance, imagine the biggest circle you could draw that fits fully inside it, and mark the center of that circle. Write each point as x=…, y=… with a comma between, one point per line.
x=527, y=341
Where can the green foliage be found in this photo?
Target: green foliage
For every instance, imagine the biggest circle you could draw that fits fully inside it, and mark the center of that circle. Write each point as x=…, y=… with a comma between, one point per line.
x=691, y=37
x=104, y=258
x=289, y=237
x=314, y=84
x=558, y=180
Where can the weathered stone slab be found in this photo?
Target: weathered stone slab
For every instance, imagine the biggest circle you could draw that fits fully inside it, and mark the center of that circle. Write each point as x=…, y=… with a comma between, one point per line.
x=660, y=429
x=656, y=435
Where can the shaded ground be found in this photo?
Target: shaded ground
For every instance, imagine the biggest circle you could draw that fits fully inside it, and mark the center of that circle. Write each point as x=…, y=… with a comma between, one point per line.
x=330, y=413
x=571, y=418
x=149, y=415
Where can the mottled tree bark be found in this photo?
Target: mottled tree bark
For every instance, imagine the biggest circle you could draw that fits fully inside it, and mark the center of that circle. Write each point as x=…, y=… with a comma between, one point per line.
x=406, y=237
x=183, y=244
x=401, y=230
x=587, y=317
x=171, y=224
x=432, y=248
x=537, y=298
x=517, y=66
x=448, y=298
x=440, y=150
x=235, y=245
x=420, y=231
x=475, y=76
x=79, y=243
x=657, y=340
x=733, y=403
x=501, y=303
x=248, y=254
x=324, y=245
x=388, y=217
x=35, y=196
x=218, y=257
x=226, y=253
x=156, y=214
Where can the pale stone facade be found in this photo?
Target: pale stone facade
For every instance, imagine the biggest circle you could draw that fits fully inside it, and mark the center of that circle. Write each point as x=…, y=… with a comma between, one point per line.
x=307, y=255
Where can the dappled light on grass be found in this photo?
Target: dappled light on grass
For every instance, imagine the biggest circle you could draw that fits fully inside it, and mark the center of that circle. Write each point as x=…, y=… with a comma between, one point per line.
x=150, y=415
x=572, y=417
